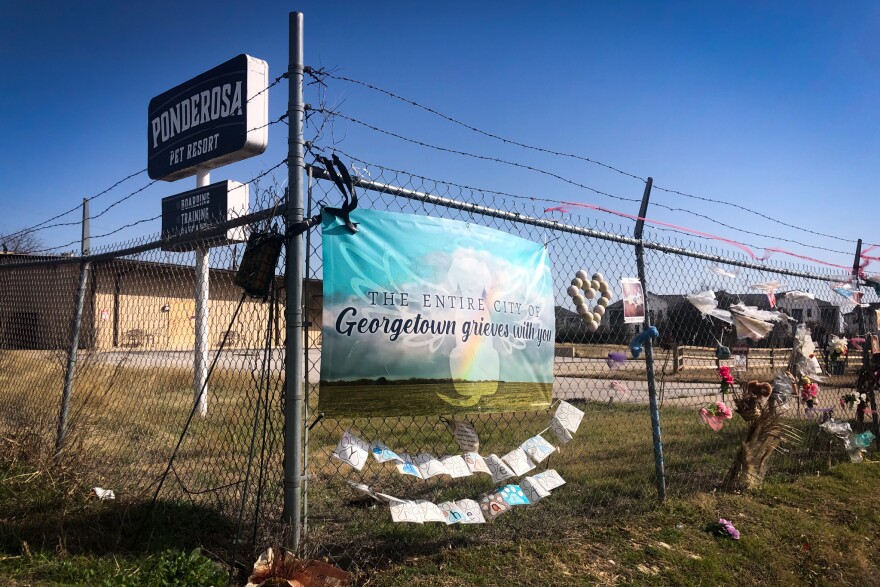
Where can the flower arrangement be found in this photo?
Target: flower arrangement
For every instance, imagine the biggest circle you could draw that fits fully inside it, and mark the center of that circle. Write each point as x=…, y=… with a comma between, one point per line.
x=837, y=354
x=809, y=391
x=848, y=400
x=726, y=379
x=715, y=414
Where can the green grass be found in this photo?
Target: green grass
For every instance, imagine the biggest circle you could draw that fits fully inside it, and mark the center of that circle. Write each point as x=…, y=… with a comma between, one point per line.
x=816, y=531
x=170, y=567
x=127, y=418
x=419, y=399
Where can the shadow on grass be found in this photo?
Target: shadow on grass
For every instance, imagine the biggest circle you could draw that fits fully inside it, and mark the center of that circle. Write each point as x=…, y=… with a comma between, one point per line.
x=85, y=527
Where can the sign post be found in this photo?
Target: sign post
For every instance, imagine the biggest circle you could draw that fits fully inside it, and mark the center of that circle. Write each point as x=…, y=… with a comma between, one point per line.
x=216, y=118
x=202, y=327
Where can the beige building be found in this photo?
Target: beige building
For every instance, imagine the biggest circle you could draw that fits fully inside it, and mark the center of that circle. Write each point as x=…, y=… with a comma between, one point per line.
x=133, y=304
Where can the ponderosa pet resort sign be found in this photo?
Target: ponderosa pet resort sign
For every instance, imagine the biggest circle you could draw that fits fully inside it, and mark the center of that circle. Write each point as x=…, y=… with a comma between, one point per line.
x=216, y=118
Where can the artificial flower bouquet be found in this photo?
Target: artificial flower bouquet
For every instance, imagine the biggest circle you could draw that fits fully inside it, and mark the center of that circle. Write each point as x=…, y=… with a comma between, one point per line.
x=715, y=414
x=809, y=391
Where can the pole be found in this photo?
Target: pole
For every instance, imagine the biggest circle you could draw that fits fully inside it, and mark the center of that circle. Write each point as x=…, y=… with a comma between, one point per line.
x=70, y=371
x=659, y=467
x=293, y=367
x=203, y=296
x=863, y=331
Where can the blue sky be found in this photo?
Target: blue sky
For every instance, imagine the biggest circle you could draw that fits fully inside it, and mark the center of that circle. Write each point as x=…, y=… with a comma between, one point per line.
x=769, y=105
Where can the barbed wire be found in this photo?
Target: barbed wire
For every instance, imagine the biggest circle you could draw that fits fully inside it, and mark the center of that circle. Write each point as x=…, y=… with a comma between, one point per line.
x=33, y=228
x=326, y=74
x=120, y=200
x=277, y=80
x=143, y=220
x=477, y=156
x=323, y=74
x=574, y=183
x=271, y=122
x=755, y=212
x=97, y=236
x=538, y=199
x=41, y=225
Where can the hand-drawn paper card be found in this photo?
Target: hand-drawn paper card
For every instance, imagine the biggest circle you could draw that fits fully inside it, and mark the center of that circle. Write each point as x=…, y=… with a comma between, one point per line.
x=493, y=505
x=352, y=450
x=465, y=435
x=518, y=461
x=407, y=467
x=561, y=432
x=533, y=489
x=429, y=512
x=472, y=512
x=549, y=479
x=475, y=463
x=456, y=466
x=569, y=415
x=498, y=468
x=453, y=513
x=429, y=465
x=363, y=488
x=513, y=495
x=406, y=511
x=537, y=448
x=382, y=453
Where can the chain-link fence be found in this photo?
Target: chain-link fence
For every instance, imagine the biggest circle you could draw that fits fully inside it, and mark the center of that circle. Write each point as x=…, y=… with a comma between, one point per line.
x=610, y=464
x=131, y=423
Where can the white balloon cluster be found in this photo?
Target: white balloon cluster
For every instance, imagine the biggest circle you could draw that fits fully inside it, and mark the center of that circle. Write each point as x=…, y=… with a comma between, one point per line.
x=583, y=289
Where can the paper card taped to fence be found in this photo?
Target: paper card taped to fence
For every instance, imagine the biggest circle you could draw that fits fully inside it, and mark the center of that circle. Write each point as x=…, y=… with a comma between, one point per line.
x=633, y=300
x=537, y=448
x=427, y=316
x=352, y=450
x=465, y=435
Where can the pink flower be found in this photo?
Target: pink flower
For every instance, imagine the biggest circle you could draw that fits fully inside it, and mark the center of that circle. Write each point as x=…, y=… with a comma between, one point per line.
x=809, y=391
x=723, y=411
x=715, y=414
x=724, y=373
x=716, y=423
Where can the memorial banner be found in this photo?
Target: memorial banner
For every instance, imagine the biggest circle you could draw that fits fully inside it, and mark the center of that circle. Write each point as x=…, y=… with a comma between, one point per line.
x=432, y=316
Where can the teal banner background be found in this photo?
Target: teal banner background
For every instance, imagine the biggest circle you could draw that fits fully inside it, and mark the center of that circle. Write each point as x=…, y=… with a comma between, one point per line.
x=426, y=315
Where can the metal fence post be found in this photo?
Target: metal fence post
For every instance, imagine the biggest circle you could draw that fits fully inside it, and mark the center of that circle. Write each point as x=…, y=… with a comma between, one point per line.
x=649, y=348
x=70, y=371
x=293, y=352
x=863, y=331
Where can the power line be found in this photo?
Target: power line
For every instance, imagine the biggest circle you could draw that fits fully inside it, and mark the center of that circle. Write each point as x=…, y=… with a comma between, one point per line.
x=321, y=74
x=572, y=182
